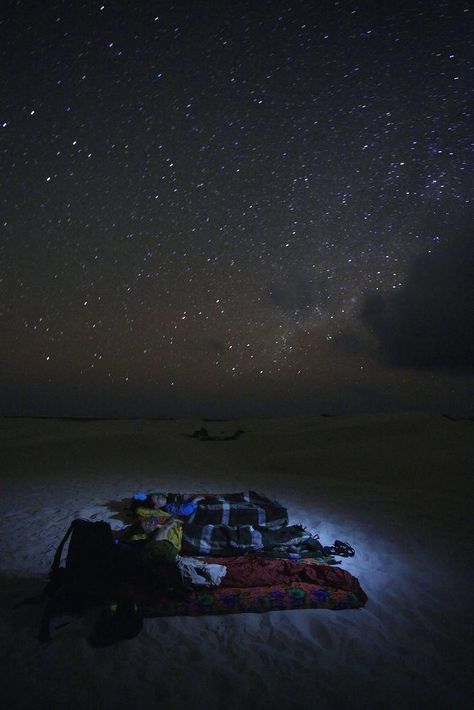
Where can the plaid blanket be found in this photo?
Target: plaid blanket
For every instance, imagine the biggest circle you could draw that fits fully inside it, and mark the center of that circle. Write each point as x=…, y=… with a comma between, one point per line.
x=220, y=540
x=239, y=509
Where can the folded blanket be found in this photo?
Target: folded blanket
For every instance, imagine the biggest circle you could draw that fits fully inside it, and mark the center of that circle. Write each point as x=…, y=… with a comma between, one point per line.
x=227, y=540
x=236, y=509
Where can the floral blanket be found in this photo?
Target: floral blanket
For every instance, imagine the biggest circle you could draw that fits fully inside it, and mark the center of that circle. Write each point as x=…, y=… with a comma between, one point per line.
x=316, y=586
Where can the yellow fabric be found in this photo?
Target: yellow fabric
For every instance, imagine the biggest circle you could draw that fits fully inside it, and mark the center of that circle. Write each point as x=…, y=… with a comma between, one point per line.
x=174, y=534
x=152, y=512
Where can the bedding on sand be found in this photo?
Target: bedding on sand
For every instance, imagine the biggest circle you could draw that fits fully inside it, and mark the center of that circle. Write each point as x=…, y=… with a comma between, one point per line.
x=233, y=557
x=152, y=570
x=254, y=584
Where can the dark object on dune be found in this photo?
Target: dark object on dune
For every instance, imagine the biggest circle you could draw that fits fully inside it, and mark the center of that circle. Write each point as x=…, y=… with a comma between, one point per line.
x=203, y=435
x=458, y=419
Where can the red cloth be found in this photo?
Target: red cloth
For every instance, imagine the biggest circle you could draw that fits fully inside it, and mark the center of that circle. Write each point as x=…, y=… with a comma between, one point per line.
x=267, y=572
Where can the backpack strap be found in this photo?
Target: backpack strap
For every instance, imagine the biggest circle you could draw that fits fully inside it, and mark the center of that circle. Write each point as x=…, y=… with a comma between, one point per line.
x=59, y=551
x=55, y=604
x=53, y=574
x=53, y=590
x=44, y=633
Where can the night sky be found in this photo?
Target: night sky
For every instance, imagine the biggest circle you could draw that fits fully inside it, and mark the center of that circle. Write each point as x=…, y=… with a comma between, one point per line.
x=235, y=208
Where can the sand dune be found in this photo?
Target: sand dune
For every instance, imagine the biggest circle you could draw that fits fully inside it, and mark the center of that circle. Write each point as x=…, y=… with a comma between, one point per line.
x=396, y=486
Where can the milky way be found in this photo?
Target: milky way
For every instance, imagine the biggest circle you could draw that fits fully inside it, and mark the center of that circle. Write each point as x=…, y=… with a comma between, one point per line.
x=201, y=203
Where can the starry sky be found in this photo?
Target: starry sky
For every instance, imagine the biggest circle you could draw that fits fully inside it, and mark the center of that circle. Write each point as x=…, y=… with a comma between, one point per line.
x=235, y=208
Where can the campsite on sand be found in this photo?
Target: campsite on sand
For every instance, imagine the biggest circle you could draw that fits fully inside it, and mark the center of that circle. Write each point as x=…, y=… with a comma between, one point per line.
x=396, y=487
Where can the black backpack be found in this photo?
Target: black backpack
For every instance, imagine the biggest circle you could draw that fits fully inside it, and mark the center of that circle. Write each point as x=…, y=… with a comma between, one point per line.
x=88, y=576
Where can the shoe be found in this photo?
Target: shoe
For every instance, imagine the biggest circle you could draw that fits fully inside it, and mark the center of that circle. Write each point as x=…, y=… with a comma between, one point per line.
x=343, y=549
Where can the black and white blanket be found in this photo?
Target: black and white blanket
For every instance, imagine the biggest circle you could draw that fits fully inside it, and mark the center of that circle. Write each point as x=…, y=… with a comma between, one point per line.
x=239, y=509
x=222, y=540
x=230, y=524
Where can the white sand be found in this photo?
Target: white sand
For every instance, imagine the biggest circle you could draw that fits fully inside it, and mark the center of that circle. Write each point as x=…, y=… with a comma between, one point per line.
x=396, y=486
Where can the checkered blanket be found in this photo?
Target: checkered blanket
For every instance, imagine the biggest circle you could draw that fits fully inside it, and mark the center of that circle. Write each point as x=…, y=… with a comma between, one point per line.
x=239, y=509
x=228, y=540
x=235, y=523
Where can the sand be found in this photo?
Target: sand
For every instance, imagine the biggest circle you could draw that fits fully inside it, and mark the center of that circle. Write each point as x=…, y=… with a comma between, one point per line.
x=395, y=486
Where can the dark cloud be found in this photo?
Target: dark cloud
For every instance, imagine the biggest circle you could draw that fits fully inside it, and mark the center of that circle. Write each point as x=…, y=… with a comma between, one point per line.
x=351, y=342
x=428, y=324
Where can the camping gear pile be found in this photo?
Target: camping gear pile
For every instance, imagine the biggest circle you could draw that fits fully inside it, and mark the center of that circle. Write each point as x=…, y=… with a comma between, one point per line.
x=194, y=555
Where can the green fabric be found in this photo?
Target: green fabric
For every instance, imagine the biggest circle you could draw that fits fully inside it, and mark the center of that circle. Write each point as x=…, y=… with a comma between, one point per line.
x=159, y=551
